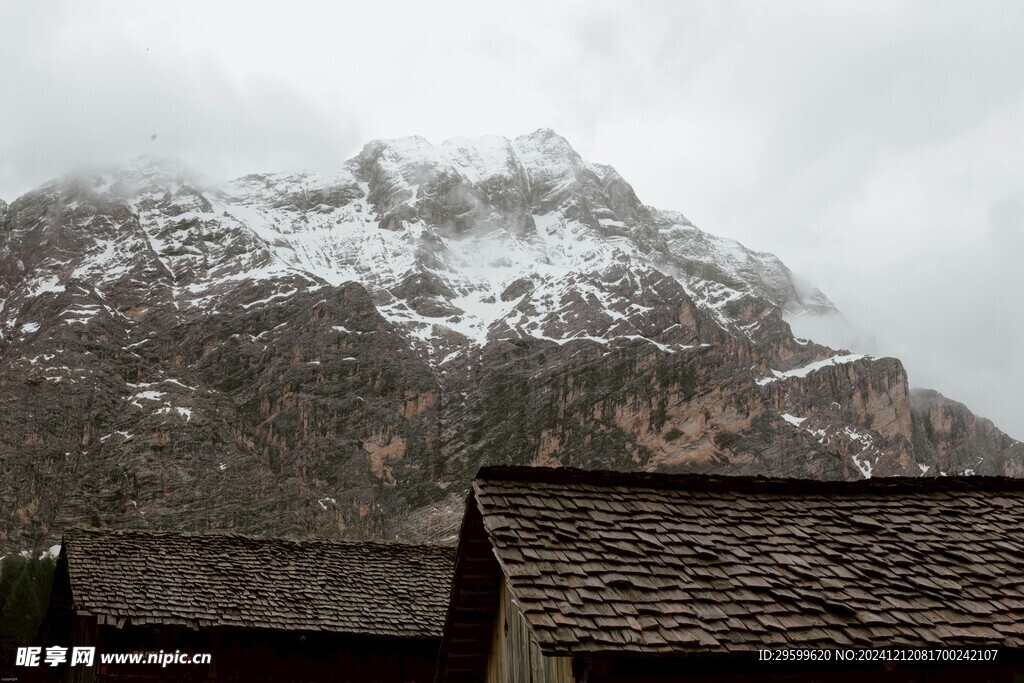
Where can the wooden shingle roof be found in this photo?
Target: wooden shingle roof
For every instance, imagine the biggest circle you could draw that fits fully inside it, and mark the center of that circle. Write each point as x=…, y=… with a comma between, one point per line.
x=203, y=580
x=682, y=563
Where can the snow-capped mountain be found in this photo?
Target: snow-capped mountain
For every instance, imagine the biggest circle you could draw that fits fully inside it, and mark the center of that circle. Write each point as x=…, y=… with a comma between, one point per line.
x=338, y=352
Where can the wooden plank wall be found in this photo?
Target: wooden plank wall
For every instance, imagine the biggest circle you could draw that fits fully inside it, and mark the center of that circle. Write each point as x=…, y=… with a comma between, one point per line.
x=515, y=656
x=84, y=633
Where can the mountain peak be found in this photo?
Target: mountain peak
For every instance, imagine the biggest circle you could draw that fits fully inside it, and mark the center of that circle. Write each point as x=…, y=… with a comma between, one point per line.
x=414, y=149
x=544, y=134
x=142, y=174
x=548, y=139
x=481, y=156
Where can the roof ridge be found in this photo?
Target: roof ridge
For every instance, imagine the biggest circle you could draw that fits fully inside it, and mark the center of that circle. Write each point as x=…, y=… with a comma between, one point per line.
x=167, y=533
x=745, y=484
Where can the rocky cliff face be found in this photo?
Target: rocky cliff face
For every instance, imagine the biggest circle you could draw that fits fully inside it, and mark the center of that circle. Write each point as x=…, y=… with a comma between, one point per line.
x=337, y=353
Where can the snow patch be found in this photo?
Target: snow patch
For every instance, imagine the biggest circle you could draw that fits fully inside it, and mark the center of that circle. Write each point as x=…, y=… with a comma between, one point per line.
x=813, y=367
x=279, y=295
x=792, y=419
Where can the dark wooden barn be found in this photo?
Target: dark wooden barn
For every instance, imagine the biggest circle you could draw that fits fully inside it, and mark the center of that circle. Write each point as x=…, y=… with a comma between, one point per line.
x=569, y=576
x=264, y=609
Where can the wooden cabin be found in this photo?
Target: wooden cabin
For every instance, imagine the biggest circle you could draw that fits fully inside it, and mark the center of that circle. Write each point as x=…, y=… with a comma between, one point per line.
x=265, y=609
x=565, y=576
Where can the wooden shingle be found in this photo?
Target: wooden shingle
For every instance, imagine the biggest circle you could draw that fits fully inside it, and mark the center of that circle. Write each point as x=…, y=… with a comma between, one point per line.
x=203, y=580
x=678, y=563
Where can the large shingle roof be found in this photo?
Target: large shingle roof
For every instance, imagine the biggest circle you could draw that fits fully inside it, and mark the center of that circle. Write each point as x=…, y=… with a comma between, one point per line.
x=681, y=563
x=203, y=580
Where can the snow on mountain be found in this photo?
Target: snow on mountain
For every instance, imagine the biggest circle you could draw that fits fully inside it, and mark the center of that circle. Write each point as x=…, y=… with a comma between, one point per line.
x=177, y=352
x=478, y=237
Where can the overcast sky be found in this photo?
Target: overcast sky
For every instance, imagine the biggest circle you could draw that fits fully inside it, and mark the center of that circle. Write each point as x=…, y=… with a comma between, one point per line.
x=875, y=146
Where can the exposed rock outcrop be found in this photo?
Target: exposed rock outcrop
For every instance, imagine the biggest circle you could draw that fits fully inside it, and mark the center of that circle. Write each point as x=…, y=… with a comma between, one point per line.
x=336, y=354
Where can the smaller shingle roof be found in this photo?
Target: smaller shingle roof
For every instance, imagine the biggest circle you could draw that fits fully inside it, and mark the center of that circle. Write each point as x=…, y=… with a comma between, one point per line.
x=203, y=580
x=683, y=563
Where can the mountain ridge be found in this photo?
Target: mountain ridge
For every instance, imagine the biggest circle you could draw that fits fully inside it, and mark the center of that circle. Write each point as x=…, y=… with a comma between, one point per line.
x=336, y=353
